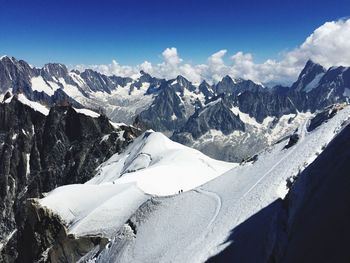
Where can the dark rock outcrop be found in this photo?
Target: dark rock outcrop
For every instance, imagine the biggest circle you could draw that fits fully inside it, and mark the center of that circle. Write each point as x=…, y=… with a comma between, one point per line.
x=307, y=75
x=39, y=153
x=261, y=104
x=293, y=139
x=315, y=223
x=324, y=116
x=166, y=113
x=217, y=116
x=47, y=240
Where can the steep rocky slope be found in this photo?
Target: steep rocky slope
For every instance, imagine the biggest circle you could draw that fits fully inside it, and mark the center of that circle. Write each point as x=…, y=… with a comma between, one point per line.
x=316, y=211
x=39, y=153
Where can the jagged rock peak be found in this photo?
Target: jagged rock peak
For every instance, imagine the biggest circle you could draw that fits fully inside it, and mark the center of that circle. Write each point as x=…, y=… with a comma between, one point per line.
x=308, y=74
x=56, y=69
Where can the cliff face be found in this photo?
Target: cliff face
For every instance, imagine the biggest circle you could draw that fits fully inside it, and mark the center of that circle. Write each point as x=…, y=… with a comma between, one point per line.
x=39, y=153
x=314, y=225
x=46, y=240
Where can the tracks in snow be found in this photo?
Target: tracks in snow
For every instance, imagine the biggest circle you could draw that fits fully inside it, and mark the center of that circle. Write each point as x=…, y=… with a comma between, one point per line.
x=214, y=196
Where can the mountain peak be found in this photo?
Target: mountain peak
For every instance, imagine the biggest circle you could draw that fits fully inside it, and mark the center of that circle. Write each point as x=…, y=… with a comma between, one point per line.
x=181, y=79
x=227, y=78
x=204, y=83
x=310, y=62
x=142, y=72
x=308, y=75
x=145, y=75
x=311, y=65
x=7, y=58
x=55, y=67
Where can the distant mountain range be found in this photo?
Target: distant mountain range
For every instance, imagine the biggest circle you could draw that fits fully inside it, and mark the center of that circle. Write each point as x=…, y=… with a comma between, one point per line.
x=207, y=117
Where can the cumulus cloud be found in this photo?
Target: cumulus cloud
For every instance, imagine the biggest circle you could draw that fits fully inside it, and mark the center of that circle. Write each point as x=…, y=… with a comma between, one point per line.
x=171, y=57
x=328, y=45
x=115, y=69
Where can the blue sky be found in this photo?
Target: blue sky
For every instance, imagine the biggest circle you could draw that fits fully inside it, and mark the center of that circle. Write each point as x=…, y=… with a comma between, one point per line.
x=130, y=31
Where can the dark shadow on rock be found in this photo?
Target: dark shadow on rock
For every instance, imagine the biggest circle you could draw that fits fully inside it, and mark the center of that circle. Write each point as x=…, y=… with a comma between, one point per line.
x=252, y=241
x=312, y=224
x=319, y=208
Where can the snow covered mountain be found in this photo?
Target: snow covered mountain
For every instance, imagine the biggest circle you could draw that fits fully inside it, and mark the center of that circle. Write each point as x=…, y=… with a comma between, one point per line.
x=78, y=186
x=41, y=149
x=133, y=210
x=151, y=165
x=182, y=109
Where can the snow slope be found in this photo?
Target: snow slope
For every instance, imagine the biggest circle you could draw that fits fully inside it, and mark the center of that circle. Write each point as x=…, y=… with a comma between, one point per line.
x=95, y=209
x=87, y=112
x=121, y=105
x=151, y=165
x=39, y=84
x=160, y=166
x=256, y=137
x=34, y=105
x=194, y=226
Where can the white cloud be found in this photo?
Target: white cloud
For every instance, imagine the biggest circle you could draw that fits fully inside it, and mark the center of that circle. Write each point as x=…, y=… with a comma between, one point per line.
x=114, y=69
x=147, y=67
x=328, y=45
x=171, y=57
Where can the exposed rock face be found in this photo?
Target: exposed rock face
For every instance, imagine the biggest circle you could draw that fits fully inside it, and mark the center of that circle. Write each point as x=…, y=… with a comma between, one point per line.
x=39, y=153
x=261, y=104
x=181, y=84
x=228, y=86
x=216, y=115
x=154, y=83
x=293, y=139
x=15, y=74
x=307, y=75
x=322, y=87
x=179, y=99
x=206, y=89
x=324, y=116
x=96, y=81
x=46, y=238
x=166, y=112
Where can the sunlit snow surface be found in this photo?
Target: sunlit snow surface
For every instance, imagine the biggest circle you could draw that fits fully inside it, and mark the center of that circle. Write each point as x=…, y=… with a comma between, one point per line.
x=121, y=105
x=151, y=165
x=160, y=166
x=88, y=112
x=193, y=226
x=187, y=227
x=39, y=84
x=34, y=105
